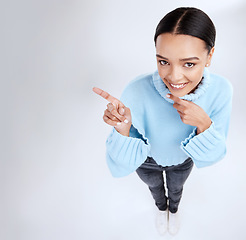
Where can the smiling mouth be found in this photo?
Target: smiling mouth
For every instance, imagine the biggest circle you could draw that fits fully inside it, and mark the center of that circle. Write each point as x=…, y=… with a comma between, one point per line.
x=178, y=86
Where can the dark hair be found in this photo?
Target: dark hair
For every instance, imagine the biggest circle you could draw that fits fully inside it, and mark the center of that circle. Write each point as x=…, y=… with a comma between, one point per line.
x=188, y=21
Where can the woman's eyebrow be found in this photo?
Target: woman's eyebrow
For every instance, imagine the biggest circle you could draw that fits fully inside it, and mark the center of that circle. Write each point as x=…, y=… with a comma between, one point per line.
x=190, y=58
x=159, y=56
x=183, y=59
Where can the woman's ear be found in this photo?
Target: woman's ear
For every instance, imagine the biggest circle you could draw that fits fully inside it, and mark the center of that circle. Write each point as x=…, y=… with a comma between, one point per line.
x=210, y=55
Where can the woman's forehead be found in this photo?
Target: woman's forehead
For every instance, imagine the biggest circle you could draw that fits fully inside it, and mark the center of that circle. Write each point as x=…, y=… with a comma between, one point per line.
x=179, y=45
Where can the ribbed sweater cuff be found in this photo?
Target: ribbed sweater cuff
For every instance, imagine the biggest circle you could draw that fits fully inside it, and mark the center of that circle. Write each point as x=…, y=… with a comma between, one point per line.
x=127, y=150
x=197, y=146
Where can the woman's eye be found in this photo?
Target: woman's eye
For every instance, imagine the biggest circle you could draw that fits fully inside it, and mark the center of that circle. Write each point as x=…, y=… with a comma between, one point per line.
x=163, y=62
x=189, y=65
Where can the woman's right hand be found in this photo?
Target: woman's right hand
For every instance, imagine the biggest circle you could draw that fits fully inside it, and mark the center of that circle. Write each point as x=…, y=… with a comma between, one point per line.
x=116, y=114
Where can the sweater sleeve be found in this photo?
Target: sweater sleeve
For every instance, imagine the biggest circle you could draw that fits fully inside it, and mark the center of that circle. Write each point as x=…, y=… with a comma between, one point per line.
x=125, y=154
x=209, y=146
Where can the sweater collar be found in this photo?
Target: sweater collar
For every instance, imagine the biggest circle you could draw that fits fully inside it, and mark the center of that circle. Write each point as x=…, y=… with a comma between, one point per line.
x=163, y=90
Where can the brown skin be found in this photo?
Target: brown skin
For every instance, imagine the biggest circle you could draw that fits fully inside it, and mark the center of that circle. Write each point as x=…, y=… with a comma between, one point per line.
x=175, y=68
x=191, y=114
x=172, y=66
x=116, y=113
x=181, y=59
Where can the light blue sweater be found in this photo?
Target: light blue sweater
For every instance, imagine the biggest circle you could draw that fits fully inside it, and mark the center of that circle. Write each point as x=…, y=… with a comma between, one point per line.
x=157, y=130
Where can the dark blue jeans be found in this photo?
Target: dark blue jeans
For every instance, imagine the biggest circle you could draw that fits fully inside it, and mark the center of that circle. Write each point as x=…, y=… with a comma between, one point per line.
x=152, y=175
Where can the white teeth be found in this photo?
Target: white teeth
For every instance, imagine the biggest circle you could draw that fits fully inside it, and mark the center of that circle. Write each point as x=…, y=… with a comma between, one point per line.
x=178, y=86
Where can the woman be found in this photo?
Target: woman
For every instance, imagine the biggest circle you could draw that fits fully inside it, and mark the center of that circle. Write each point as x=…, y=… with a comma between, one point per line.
x=173, y=118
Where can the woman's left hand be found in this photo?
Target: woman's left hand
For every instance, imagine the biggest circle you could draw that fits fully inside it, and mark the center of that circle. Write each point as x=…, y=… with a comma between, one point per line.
x=192, y=114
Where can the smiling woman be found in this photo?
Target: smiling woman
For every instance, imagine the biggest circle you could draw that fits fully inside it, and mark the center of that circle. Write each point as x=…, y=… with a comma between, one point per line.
x=174, y=118
x=181, y=60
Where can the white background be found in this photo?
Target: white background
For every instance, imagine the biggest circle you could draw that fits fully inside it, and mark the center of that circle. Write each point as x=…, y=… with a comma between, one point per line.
x=55, y=183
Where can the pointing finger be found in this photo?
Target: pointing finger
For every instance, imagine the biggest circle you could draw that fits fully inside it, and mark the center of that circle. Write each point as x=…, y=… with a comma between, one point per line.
x=180, y=108
x=106, y=96
x=174, y=98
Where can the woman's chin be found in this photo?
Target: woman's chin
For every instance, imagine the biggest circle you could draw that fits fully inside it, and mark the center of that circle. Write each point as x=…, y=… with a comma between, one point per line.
x=178, y=93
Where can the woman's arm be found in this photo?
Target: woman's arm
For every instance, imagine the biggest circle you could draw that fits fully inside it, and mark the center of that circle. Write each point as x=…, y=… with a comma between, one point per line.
x=209, y=146
x=125, y=154
x=126, y=148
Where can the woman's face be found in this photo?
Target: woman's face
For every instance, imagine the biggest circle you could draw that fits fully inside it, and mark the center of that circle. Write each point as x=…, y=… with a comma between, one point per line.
x=181, y=60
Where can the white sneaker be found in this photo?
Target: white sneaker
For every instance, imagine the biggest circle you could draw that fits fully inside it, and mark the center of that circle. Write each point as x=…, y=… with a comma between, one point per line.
x=173, y=223
x=162, y=221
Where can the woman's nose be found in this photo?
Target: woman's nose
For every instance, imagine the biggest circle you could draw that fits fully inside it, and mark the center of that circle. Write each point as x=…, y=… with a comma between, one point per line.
x=175, y=75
